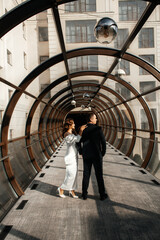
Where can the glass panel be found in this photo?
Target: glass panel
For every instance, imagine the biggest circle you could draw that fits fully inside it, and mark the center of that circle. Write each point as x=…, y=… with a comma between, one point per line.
x=46, y=144
x=123, y=91
x=37, y=151
x=154, y=163
x=139, y=114
x=7, y=197
x=20, y=163
x=19, y=116
x=126, y=144
x=141, y=147
x=104, y=63
x=36, y=117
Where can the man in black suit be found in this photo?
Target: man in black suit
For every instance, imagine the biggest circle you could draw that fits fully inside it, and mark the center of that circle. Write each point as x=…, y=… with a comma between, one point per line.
x=93, y=149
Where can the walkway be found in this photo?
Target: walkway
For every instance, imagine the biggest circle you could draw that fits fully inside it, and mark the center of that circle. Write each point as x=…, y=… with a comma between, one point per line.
x=132, y=210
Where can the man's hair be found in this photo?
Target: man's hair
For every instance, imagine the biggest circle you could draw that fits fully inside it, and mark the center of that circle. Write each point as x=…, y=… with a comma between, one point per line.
x=90, y=115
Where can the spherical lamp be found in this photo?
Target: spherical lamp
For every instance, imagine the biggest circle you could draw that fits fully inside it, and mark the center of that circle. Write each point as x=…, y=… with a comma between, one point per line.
x=86, y=95
x=120, y=72
x=73, y=102
x=105, y=30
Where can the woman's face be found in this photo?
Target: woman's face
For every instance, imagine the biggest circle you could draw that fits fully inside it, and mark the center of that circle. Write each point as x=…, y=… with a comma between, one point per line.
x=73, y=126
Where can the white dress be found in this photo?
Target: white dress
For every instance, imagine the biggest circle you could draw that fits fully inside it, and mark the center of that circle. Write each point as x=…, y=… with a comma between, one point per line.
x=71, y=161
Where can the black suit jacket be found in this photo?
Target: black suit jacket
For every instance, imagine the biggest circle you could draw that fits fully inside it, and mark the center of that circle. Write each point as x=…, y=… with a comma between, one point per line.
x=93, y=142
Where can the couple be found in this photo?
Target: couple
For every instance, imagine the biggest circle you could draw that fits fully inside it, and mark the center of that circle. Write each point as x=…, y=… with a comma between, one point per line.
x=93, y=148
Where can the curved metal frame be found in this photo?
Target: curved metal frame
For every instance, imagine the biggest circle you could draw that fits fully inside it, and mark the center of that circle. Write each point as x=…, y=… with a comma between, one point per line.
x=23, y=12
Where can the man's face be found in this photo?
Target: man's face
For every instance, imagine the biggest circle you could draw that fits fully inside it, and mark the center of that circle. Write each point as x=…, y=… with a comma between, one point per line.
x=93, y=119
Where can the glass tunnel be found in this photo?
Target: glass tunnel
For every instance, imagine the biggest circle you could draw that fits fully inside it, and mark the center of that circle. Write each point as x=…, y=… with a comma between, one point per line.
x=38, y=86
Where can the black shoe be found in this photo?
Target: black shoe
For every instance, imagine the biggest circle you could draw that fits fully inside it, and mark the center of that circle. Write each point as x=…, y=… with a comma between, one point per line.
x=84, y=197
x=103, y=197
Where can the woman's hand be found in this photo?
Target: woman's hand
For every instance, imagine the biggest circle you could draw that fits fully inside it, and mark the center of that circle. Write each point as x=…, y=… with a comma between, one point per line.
x=82, y=129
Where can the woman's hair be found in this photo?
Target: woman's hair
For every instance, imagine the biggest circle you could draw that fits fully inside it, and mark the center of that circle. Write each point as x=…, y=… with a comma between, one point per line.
x=67, y=124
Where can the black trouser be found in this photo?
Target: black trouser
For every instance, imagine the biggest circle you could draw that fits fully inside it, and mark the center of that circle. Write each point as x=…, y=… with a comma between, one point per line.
x=87, y=165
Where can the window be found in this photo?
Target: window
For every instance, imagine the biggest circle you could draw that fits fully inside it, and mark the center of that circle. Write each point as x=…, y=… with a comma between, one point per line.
x=81, y=6
x=10, y=92
x=150, y=59
x=1, y=116
x=48, y=95
x=83, y=63
x=43, y=59
x=121, y=37
x=125, y=65
x=146, y=38
x=144, y=119
x=123, y=91
x=146, y=86
x=131, y=10
x=80, y=31
x=43, y=34
x=25, y=60
x=9, y=57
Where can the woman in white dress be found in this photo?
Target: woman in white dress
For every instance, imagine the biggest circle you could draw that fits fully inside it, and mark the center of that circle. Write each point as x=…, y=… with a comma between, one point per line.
x=71, y=158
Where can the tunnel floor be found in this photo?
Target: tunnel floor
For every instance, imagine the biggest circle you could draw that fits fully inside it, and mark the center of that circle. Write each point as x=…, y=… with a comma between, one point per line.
x=132, y=210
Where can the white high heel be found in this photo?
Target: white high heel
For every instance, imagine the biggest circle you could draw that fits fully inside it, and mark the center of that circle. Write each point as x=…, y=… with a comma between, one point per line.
x=71, y=194
x=61, y=195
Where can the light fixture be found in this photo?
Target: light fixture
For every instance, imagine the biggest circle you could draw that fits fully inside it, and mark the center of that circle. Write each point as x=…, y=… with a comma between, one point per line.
x=73, y=102
x=105, y=30
x=120, y=72
x=82, y=106
x=86, y=95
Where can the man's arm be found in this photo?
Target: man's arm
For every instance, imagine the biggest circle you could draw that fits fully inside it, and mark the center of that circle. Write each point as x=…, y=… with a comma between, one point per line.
x=103, y=142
